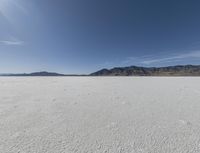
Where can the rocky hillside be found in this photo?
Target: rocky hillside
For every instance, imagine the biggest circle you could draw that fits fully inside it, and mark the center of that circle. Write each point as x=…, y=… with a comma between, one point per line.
x=180, y=70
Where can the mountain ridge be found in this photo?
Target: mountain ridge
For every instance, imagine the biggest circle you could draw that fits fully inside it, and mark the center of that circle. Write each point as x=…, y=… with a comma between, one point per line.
x=177, y=70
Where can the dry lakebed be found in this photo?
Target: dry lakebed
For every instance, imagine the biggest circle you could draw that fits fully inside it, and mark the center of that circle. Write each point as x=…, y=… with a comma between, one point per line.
x=99, y=114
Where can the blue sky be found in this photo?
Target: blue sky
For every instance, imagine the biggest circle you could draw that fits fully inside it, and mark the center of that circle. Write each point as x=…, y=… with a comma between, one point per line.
x=82, y=36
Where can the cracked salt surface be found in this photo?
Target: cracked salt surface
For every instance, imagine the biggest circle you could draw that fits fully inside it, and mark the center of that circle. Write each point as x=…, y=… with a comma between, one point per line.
x=99, y=115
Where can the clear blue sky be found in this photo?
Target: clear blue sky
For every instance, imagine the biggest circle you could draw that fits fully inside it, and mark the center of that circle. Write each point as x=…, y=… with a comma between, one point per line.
x=82, y=36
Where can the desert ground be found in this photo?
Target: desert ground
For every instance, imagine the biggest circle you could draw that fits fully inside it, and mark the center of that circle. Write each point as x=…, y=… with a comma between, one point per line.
x=99, y=115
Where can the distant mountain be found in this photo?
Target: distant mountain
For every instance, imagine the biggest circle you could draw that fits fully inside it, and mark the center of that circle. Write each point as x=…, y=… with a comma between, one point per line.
x=179, y=70
x=44, y=73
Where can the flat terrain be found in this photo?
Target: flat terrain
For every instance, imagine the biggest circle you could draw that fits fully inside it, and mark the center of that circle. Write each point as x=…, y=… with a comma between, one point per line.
x=99, y=115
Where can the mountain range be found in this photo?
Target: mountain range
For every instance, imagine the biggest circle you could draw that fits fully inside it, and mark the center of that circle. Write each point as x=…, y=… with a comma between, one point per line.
x=179, y=70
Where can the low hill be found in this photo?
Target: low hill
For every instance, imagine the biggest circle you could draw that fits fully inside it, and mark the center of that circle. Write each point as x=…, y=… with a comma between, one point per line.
x=43, y=73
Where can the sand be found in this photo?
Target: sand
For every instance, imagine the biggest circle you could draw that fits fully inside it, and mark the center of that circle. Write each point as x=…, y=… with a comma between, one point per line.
x=99, y=115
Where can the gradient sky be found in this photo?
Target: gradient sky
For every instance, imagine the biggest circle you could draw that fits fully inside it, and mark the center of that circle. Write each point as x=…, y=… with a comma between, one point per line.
x=82, y=36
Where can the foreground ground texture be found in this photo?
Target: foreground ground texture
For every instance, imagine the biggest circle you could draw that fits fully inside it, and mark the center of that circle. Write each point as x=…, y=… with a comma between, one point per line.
x=99, y=115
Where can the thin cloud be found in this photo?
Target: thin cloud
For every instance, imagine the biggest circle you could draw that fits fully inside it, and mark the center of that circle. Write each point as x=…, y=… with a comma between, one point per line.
x=134, y=60
x=11, y=43
x=9, y=8
x=129, y=60
x=193, y=54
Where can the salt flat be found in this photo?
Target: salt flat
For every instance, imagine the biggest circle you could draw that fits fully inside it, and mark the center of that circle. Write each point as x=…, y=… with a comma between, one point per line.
x=99, y=115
